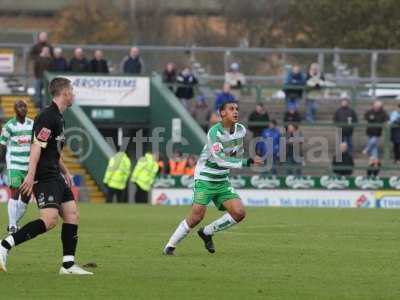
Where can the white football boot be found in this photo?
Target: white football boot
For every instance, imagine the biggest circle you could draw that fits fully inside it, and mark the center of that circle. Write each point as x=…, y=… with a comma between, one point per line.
x=74, y=270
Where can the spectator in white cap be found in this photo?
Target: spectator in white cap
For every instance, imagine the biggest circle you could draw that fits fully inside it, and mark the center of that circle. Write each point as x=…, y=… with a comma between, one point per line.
x=234, y=77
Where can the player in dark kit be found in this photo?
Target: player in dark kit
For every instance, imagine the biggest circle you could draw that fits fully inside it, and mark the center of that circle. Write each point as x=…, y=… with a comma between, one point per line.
x=50, y=181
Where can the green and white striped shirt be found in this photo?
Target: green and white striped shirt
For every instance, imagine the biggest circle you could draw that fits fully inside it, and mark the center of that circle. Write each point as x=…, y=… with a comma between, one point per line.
x=222, y=152
x=17, y=138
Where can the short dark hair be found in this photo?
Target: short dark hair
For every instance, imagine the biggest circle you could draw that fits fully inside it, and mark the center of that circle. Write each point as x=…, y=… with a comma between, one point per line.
x=224, y=104
x=57, y=85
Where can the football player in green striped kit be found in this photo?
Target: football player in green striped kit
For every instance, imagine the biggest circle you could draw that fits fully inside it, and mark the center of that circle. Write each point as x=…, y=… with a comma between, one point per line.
x=223, y=151
x=16, y=136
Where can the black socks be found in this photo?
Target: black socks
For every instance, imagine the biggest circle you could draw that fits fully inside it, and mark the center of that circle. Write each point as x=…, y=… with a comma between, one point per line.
x=69, y=238
x=29, y=231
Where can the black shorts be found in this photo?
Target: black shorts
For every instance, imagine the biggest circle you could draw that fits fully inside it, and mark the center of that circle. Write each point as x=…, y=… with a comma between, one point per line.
x=52, y=193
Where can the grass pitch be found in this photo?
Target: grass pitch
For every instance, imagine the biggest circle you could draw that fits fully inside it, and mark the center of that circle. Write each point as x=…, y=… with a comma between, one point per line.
x=276, y=253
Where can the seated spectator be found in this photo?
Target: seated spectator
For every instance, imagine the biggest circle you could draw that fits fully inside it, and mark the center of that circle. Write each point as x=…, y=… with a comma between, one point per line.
x=395, y=133
x=374, y=167
x=190, y=166
x=133, y=63
x=269, y=147
x=343, y=166
x=346, y=115
x=294, y=150
x=201, y=112
x=260, y=114
x=294, y=86
x=292, y=115
x=78, y=64
x=315, y=80
x=42, y=42
x=169, y=76
x=234, y=77
x=223, y=97
x=98, y=64
x=177, y=164
x=42, y=64
x=375, y=116
x=187, y=81
x=59, y=62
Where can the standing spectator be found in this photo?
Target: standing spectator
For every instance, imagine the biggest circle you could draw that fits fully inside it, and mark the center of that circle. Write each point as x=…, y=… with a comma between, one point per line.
x=343, y=166
x=201, y=112
x=60, y=63
x=78, y=63
x=374, y=167
x=98, y=64
x=376, y=117
x=294, y=86
x=234, y=77
x=269, y=146
x=42, y=64
x=185, y=91
x=224, y=96
x=143, y=176
x=395, y=133
x=133, y=63
x=260, y=114
x=177, y=164
x=162, y=170
x=42, y=42
x=292, y=115
x=294, y=150
x=190, y=166
x=345, y=117
x=169, y=76
x=315, y=80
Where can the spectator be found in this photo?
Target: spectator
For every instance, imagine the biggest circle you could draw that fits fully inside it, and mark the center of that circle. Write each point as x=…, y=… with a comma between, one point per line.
x=42, y=64
x=190, y=166
x=177, y=164
x=292, y=115
x=343, y=166
x=315, y=80
x=395, y=133
x=78, y=63
x=375, y=116
x=345, y=117
x=294, y=150
x=201, y=112
x=60, y=63
x=162, y=170
x=169, y=76
x=42, y=42
x=98, y=64
x=187, y=80
x=234, y=77
x=374, y=167
x=269, y=147
x=224, y=96
x=143, y=176
x=260, y=114
x=294, y=86
x=133, y=63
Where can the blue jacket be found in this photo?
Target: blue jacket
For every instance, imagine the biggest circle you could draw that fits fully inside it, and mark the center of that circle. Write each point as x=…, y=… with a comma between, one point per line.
x=294, y=79
x=262, y=146
x=222, y=98
x=133, y=66
x=60, y=65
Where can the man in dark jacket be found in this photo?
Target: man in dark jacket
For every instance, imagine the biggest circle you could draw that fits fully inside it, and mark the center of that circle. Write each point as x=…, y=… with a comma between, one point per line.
x=78, y=63
x=133, y=63
x=59, y=62
x=42, y=64
x=98, y=64
x=375, y=116
x=185, y=92
x=260, y=114
x=395, y=133
x=343, y=166
x=294, y=86
x=42, y=42
x=292, y=116
x=345, y=117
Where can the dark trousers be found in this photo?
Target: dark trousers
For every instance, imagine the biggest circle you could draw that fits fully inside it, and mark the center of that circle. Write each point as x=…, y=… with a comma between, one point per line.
x=141, y=196
x=119, y=193
x=396, y=151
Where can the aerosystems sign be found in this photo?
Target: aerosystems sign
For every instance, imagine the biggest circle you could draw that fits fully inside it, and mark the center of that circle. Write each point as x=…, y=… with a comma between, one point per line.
x=111, y=91
x=277, y=198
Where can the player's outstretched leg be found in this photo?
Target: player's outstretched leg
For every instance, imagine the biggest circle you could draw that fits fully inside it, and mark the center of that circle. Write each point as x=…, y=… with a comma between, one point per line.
x=235, y=214
x=196, y=215
x=69, y=238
